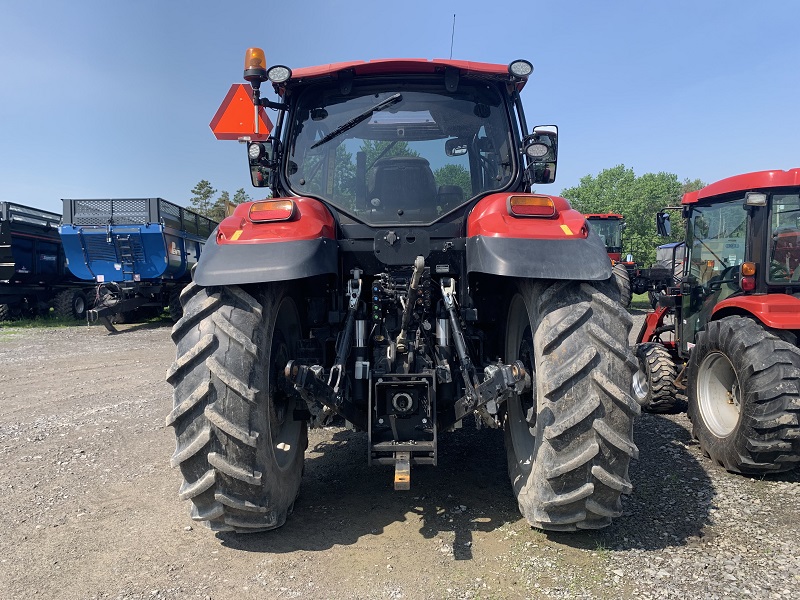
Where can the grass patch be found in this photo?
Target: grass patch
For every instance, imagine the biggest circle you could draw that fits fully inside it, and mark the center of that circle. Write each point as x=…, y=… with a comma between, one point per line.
x=40, y=323
x=641, y=301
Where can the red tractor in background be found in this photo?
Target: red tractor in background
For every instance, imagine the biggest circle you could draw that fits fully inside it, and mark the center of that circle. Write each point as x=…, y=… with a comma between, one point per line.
x=403, y=277
x=631, y=277
x=609, y=226
x=728, y=333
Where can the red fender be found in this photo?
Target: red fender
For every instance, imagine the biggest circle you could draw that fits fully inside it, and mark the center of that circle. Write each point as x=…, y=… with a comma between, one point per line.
x=491, y=218
x=311, y=220
x=779, y=311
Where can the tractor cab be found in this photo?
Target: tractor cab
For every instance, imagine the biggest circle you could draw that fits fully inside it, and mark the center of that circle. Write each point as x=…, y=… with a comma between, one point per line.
x=742, y=252
x=609, y=226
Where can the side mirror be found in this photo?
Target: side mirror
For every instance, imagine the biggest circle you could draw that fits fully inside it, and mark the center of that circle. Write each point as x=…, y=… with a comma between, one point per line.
x=455, y=147
x=261, y=158
x=541, y=148
x=663, y=224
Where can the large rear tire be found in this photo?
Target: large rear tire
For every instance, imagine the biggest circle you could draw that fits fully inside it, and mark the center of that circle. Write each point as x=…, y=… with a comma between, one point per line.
x=623, y=280
x=5, y=312
x=569, y=441
x=239, y=447
x=744, y=397
x=70, y=304
x=654, y=383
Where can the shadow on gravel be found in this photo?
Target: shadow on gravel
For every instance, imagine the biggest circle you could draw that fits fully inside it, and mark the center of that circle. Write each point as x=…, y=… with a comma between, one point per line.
x=125, y=327
x=342, y=500
x=672, y=494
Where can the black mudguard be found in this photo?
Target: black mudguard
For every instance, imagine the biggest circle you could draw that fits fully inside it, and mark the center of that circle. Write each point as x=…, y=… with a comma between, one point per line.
x=238, y=264
x=582, y=259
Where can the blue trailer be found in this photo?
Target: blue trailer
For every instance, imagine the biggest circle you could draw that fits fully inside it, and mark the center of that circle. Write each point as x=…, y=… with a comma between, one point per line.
x=139, y=252
x=33, y=272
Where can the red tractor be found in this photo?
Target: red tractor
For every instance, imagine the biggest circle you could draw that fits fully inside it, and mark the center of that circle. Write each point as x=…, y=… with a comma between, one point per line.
x=402, y=277
x=609, y=226
x=728, y=333
x=631, y=277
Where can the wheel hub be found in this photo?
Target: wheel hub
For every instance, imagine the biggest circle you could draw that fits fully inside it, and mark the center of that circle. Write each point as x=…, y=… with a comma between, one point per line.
x=718, y=394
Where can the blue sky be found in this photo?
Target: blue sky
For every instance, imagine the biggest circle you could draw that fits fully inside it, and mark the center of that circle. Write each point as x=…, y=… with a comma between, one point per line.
x=108, y=98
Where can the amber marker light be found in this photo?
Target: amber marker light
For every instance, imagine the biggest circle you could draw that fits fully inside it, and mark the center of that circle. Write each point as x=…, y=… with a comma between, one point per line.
x=271, y=210
x=255, y=65
x=531, y=206
x=748, y=269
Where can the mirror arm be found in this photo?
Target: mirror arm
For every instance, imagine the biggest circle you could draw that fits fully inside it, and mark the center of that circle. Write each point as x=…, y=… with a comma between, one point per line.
x=270, y=104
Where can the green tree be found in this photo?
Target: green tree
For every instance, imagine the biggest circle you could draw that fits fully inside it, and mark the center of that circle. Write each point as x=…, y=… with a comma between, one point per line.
x=638, y=199
x=692, y=185
x=241, y=196
x=202, y=198
x=219, y=209
x=454, y=175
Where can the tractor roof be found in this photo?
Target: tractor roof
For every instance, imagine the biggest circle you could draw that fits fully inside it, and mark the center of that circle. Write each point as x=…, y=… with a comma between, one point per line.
x=603, y=216
x=404, y=66
x=758, y=180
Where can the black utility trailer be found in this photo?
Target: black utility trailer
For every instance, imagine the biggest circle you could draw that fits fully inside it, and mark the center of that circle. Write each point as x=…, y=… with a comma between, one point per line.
x=33, y=272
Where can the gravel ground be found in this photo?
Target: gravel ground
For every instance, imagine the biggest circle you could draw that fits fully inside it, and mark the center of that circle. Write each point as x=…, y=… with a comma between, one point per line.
x=89, y=505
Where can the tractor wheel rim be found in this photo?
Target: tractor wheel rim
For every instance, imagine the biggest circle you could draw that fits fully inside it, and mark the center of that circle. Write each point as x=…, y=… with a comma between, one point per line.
x=522, y=437
x=718, y=394
x=640, y=385
x=285, y=430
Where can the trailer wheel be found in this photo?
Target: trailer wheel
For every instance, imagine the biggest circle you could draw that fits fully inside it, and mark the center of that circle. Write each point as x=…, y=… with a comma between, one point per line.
x=744, y=397
x=569, y=442
x=240, y=446
x=5, y=312
x=654, y=383
x=175, y=308
x=623, y=280
x=70, y=304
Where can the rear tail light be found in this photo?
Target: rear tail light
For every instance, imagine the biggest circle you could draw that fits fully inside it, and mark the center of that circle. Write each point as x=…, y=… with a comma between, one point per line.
x=271, y=210
x=748, y=284
x=747, y=281
x=531, y=206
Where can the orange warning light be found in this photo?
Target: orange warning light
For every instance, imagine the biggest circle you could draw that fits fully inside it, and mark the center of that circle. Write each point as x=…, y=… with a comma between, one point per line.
x=255, y=65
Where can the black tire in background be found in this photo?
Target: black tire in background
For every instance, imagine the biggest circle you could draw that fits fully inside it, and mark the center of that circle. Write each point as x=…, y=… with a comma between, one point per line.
x=175, y=308
x=623, y=280
x=744, y=397
x=654, y=383
x=5, y=312
x=239, y=448
x=70, y=304
x=569, y=441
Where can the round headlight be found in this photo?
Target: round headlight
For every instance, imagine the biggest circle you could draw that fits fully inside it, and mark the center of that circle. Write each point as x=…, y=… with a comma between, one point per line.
x=279, y=74
x=254, y=151
x=520, y=68
x=537, y=151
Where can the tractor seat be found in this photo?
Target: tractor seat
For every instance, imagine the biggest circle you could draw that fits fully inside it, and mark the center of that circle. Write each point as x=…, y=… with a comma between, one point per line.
x=404, y=183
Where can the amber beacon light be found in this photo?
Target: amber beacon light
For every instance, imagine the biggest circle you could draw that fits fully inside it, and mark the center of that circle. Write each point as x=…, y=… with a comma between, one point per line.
x=255, y=65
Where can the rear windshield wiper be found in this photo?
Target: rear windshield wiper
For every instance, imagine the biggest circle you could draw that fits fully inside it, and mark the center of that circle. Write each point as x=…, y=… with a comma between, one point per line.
x=358, y=119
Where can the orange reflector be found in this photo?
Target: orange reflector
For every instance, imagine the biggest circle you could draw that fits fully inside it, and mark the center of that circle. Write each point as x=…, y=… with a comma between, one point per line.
x=748, y=268
x=531, y=206
x=271, y=210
